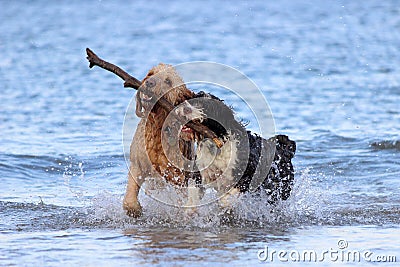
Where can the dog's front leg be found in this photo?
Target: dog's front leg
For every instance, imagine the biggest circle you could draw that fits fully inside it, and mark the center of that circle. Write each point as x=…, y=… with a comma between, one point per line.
x=195, y=193
x=131, y=203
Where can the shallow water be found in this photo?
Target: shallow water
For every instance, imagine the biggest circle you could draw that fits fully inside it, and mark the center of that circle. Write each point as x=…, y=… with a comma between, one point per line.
x=330, y=72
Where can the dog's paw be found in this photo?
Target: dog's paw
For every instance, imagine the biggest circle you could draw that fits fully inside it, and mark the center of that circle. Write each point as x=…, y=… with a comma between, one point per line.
x=133, y=210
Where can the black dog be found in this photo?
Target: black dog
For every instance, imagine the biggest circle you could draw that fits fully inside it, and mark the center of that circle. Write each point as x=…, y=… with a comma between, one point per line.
x=261, y=163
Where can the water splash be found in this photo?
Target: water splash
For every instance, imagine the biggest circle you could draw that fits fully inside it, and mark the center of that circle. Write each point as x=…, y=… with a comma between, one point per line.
x=250, y=209
x=302, y=207
x=73, y=170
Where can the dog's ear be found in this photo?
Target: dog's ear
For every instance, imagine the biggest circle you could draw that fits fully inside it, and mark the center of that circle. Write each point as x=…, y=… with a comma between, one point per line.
x=150, y=73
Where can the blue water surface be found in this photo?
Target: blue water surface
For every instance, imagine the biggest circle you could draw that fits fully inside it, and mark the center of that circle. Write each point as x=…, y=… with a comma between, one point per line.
x=329, y=70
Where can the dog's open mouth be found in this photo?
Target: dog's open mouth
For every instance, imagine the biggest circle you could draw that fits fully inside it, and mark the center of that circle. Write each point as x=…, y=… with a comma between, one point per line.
x=144, y=103
x=145, y=98
x=186, y=129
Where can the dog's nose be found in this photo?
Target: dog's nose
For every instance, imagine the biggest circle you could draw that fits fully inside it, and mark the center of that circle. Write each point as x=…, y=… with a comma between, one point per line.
x=187, y=110
x=150, y=83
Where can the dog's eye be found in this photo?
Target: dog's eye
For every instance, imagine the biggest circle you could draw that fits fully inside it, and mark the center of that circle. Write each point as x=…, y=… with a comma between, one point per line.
x=167, y=129
x=168, y=82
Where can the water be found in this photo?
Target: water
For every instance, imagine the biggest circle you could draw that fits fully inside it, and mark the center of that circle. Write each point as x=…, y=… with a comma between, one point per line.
x=330, y=71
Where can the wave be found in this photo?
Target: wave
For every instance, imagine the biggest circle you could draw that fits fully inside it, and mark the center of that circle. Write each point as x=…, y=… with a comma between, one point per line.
x=386, y=145
x=30, y=217
x=34, y=166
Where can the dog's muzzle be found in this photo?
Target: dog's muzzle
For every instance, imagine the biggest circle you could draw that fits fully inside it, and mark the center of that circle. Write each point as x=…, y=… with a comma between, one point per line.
x=145, y=102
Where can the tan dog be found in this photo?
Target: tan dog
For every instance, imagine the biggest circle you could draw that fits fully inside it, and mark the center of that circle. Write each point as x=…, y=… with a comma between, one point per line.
x=147, y=152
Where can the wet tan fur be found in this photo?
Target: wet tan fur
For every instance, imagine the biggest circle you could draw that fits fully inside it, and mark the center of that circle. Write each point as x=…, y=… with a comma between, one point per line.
x=153, y=162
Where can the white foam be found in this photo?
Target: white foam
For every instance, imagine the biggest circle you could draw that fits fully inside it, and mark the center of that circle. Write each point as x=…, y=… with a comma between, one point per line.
x=302, y=207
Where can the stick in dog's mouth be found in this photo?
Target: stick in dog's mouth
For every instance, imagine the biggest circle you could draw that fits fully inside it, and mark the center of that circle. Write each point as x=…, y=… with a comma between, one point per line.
x=130, y=81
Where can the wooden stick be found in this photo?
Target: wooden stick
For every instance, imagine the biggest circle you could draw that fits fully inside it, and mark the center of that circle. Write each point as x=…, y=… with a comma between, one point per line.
x=94, y=60
x=132, y=82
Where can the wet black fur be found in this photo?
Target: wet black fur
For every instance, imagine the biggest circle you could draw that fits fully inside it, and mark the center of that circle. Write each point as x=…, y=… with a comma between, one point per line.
x=279, y=180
